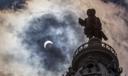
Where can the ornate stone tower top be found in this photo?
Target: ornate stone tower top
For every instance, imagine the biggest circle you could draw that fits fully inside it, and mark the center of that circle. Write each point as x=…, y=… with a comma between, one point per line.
x=94, y=58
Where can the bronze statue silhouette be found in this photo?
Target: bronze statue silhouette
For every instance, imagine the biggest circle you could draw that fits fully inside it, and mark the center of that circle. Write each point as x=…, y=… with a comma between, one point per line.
x=92, y=25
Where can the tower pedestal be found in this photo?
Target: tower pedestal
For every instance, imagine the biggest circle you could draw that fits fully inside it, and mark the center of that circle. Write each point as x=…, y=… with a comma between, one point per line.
x=94, y=58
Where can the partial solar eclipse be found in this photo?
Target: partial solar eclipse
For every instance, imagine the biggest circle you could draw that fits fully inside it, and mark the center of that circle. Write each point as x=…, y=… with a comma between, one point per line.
x=46, y=43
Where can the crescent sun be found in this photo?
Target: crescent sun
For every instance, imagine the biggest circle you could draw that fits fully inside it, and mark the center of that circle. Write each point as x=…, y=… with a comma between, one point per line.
x=47, y=42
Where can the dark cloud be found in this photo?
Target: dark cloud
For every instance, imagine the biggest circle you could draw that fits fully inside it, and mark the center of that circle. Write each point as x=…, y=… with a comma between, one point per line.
x=62, y=32
x=12, y=4
x=123, y=3
x=54, y=59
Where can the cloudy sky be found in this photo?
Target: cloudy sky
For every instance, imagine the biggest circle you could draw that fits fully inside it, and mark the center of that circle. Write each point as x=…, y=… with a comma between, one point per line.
x=25, y=25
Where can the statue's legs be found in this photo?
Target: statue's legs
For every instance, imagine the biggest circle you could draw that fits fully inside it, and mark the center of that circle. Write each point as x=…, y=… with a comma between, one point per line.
x=88, y=33
x=98, y=34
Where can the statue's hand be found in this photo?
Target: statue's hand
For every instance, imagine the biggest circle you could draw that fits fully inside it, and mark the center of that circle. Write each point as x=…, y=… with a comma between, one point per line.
x=81, y=22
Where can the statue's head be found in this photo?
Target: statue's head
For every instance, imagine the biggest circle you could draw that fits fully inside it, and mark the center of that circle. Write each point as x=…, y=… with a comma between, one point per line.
x=91, y=12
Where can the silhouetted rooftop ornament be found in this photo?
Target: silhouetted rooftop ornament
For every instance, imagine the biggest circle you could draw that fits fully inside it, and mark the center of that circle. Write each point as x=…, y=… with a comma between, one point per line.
x=94, y=58
x=92, y=25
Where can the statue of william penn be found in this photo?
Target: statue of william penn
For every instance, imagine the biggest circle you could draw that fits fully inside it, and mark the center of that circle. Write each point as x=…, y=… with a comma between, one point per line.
x=92, y=25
